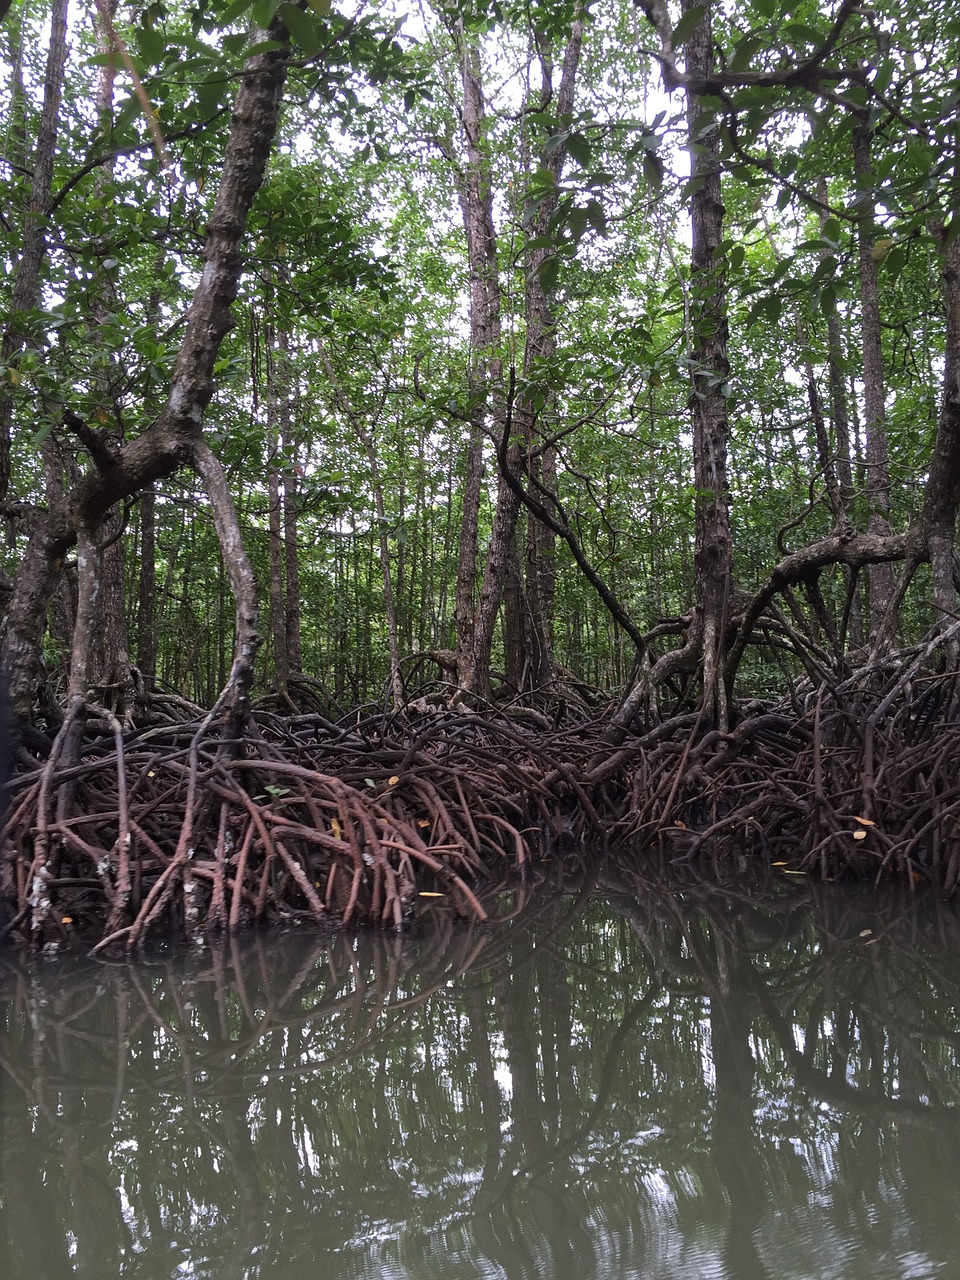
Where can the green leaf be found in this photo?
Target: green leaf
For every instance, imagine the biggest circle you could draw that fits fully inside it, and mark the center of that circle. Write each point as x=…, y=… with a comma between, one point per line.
x=597, y=216
x=579, y=149
x=653, y=169
x=152, y=45
x=549, y=271
x=262, y=12
x=687, y=24
x=302, y=28
x=744, y=52
x=233, y=11
x=895, y=261
x=800, y=33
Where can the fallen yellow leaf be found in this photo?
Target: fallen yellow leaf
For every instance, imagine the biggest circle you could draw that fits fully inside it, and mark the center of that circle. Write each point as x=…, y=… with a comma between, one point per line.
x=859, y=835
x=66, y=920
x=866, y=822
x=423, y=822
x=394, y=780
x=336, y=828
x=681, y=825
x=426, y=893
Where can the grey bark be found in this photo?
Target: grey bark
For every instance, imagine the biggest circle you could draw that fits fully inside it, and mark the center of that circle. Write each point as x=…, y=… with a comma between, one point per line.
x=713, y=548
x=874, y=411
x=26, y=287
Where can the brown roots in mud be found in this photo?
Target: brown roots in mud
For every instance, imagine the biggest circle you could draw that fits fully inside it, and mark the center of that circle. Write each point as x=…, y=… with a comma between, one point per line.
x=180, y=830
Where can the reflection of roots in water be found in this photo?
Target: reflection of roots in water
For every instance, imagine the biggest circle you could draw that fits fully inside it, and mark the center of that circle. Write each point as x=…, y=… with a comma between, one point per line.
x=217, y=1013
x=832, y=1010
x=789, y=982
x=178, y=831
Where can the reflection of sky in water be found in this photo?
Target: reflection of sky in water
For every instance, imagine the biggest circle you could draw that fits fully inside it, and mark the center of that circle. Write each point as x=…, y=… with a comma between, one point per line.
x=659, y=1089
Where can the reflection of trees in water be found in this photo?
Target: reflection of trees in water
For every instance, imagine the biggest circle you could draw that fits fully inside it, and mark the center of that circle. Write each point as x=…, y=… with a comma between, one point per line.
x=853, y=996
x=523, y=1101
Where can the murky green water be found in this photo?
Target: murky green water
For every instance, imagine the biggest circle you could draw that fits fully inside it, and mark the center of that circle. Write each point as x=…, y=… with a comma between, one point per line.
x=648, y=1085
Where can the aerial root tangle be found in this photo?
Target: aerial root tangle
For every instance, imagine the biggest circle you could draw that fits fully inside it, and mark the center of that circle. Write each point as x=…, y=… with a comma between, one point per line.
x=179, y=829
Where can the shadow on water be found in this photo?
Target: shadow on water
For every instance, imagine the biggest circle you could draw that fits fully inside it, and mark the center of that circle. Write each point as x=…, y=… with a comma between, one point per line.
x=658, y=1081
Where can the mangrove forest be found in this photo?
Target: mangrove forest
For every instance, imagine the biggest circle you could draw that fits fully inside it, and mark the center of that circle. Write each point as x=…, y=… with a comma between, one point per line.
x=441, y=439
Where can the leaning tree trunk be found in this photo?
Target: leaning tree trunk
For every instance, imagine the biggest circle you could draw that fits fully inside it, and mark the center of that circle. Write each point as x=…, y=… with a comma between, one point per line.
x=713, y=551
x=175, y=438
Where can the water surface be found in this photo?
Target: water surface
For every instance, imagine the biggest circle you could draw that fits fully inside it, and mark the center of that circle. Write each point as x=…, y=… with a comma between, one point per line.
x=647, y=1083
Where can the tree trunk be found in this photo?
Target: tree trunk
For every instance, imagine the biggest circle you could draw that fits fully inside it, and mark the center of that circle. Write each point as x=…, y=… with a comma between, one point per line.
x=110, y=670
x=26, y=289
x=874, y=411
x=540, y=345
x=838, y=392
x=713, y=550
x=473, y=625
x=175, y=438
x=147, y=590
x=290, y=519
x=942, y=496
x=276, y=557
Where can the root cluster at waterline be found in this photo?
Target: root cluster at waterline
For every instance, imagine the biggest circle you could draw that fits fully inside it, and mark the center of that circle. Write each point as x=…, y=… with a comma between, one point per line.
x=178, y=829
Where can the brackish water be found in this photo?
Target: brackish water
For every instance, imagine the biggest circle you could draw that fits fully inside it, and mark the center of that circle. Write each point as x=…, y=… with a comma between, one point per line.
x=640, y=1083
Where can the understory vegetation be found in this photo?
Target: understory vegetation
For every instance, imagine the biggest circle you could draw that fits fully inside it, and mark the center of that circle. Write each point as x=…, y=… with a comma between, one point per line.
x=436, y=437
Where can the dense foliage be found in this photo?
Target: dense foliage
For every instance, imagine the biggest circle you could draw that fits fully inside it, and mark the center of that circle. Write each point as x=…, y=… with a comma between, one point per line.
x=357, y=378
